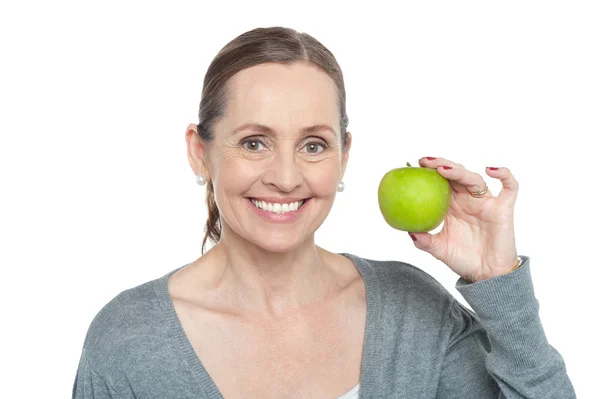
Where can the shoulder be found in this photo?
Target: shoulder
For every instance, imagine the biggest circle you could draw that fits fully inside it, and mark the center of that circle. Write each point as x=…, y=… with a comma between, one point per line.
x=132, y=318
x=403, y=285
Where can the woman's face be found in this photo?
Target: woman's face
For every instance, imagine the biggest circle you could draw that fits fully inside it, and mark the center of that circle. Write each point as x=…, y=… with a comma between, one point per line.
x=278, y=143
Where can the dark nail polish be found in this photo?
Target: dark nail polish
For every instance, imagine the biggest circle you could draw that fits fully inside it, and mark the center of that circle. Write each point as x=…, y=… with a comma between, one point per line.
x=447, y=167
x=430, y=158
x=492, y=168
x=412, y=236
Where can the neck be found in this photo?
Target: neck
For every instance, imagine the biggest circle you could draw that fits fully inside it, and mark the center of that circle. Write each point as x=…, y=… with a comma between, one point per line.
x=273, y=284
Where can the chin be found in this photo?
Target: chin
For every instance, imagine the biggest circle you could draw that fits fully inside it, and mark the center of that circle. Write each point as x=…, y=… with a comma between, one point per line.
x=277, y=245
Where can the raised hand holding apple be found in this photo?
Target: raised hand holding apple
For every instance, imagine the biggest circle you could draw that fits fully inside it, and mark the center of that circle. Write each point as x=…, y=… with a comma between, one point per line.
x=477, y=240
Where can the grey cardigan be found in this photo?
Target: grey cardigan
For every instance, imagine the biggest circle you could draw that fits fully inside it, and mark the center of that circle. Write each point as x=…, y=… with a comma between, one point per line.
x=420, y=342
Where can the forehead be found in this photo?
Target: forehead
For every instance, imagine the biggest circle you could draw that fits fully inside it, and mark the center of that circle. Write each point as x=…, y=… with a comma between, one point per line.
x=284, y=96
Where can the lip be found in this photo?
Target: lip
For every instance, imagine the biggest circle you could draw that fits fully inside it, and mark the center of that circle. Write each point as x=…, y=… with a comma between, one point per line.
x=287, y=217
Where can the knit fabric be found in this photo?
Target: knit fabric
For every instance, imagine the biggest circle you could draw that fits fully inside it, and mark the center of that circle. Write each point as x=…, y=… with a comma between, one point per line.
x=420, y=342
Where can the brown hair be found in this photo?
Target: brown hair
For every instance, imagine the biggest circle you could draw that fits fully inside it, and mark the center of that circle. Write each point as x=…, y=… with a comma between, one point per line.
x=258, y=46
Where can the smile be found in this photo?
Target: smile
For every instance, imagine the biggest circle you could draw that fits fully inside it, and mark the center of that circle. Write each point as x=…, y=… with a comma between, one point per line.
x=276, y=207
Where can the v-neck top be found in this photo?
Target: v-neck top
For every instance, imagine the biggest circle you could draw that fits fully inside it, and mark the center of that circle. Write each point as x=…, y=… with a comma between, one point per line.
x=419, y=341
x=168, y=309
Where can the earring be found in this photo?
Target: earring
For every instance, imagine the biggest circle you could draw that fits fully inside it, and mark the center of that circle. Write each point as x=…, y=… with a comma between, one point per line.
x=200, y=179
x=341, y=186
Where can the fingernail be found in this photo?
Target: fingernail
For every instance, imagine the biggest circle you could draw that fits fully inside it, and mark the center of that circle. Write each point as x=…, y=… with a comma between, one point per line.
x=430, y=158
x=447, y=167
x=492, y=168
x=412, y=236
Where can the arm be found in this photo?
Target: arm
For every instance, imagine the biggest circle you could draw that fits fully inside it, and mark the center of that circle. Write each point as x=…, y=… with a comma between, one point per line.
x=500, y=350
x=89, y=384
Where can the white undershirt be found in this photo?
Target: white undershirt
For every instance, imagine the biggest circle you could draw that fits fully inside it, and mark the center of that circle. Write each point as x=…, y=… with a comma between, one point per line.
x=351, y=394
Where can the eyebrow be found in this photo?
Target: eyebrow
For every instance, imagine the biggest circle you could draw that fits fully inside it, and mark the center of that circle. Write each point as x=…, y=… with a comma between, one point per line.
x=269, y=131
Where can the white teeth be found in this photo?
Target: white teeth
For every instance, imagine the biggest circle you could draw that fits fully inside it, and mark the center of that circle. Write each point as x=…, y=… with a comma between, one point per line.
x=276, y=207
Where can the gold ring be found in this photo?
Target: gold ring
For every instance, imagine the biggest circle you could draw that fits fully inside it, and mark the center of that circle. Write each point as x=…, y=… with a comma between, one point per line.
x=480, y=193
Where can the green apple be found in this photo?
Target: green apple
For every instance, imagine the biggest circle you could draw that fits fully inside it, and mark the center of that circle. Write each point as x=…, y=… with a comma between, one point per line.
x=414, y=199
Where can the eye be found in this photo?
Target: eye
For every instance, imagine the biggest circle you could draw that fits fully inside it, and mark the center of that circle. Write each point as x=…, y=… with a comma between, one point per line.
x=313, y=148
x=252, y=144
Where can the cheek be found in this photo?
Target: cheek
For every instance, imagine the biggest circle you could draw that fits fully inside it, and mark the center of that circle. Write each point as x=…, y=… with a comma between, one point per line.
x=235, y=172
x=323, y=179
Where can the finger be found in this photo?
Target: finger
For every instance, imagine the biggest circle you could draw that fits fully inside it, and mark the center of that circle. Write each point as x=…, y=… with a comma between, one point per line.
x=429, y=243
x=463, y=179
x=434, y=162
x=510, y=185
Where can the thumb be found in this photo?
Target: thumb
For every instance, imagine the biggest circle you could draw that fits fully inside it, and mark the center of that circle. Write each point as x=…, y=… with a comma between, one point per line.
x=428, y=242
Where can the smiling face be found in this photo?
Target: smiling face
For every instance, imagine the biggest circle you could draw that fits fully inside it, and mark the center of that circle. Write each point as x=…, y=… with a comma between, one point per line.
x=278, y=143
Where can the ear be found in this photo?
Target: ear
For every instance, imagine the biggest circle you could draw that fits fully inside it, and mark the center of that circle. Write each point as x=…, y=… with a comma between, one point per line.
x=346, y=154
x=196, y=150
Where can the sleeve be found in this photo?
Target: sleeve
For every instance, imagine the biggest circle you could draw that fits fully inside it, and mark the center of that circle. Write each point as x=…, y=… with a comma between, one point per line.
x=89, y=384
x=499, y=350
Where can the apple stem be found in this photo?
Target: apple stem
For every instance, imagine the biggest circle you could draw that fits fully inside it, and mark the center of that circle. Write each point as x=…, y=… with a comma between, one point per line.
x=409, y=165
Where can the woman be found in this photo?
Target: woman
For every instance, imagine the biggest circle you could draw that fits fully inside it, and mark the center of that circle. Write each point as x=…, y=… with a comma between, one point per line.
x=266, y=313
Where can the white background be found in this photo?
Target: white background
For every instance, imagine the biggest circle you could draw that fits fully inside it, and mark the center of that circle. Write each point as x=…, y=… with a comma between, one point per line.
x=97, y=195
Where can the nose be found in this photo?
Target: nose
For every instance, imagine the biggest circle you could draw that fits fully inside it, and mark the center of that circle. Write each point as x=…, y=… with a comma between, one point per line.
x=284, y=172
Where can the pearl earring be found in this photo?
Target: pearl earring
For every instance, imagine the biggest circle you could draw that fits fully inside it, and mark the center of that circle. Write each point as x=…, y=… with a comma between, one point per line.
x=200, y=179
x=341, y=186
